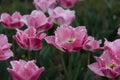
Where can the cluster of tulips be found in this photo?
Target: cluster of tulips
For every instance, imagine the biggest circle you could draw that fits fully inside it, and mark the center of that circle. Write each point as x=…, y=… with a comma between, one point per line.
x=66, y=38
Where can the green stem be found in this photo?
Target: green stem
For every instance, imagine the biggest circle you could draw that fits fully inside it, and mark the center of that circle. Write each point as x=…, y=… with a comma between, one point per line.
x=88, y=58
x=14, y=48
x=35, y=56
x=63, y=64
x=28, y=55
x=69, y=76
x=76, y=74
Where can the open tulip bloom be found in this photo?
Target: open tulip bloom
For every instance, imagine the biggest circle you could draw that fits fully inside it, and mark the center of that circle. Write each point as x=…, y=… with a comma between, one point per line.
x=29, y=39
x=113, y=48
x=38, y=20
x=22, y=70
x=44, y=5
x=91, y=44
x=67, y=38
x=61, y=16
x=108, y=64
x=5, y=51
x=13, y=21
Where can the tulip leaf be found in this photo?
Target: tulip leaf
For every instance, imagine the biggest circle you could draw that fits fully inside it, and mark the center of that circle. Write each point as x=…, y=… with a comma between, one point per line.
x=89, y=75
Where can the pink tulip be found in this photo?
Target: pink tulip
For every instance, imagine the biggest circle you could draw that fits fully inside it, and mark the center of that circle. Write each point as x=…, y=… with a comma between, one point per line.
x=44, y=5
x=106, y=65
x=38, y=20
x=68, y=38
x=22, y=70
x=67, y=3
x=13, y=21
x=113, y=48
x=91, y=44
x=5, y=51
x=62, y=16
x=29, y=39
x=118, y=31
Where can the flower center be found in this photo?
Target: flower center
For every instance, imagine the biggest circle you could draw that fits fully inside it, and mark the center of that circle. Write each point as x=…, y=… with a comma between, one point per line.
x=70, y=40
x=111, y=66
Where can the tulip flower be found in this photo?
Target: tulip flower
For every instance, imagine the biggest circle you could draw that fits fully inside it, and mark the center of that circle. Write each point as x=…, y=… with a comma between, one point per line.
x=29, y=39
x=5, y=51
x=91, y=44
x=118, y=31
x=106, y=65
x=44, y=5
x=67, y=38
x=22, y=70
x=13, y=21
x=62, y=16
x=38, y=20
x=67, y=3
x=113, y=48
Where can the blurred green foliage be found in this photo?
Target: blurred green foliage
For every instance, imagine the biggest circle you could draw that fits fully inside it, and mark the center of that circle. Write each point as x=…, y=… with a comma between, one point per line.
x=101, y=18
x=10, y=6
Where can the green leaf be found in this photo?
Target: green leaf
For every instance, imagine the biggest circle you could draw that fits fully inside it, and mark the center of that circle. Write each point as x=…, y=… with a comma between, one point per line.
x=89, y=75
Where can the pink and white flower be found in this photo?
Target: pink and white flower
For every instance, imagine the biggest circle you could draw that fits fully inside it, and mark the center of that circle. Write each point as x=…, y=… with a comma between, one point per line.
x=22, y=70
x=29, y=39
x=118, y=32
x=67, y=3
x=44, y=5
x=113, y=48
x=91, y=44
x=13, y=21
x=38, y=20
x=67, y=38
x=62, y=16
x=106, y=65
x=5, y=51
